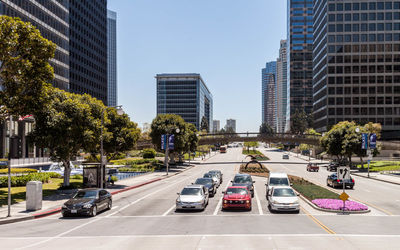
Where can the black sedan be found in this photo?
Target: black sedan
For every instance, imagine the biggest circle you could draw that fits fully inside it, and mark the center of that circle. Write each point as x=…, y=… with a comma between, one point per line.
x=87, y=202
x=244, y=180
x=209, y=184
x=334, y=182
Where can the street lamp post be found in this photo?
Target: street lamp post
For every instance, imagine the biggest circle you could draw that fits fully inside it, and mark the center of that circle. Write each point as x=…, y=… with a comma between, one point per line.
x=9, y=166
x=102, y=183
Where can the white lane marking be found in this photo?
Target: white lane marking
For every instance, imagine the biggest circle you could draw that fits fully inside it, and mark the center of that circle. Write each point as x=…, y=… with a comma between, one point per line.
x=150, y=194
x=220, y=201
x=258, y=202
x=169, y=210
x=114, y=207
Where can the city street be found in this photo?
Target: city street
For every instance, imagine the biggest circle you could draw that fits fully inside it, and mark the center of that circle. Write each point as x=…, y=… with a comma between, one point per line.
x=145, y=218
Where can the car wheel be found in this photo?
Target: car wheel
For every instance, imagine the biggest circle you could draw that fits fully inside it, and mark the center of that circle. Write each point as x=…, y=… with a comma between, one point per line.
x=109, y=205
x=297, y=211
x=327, y=183
x=93, y=212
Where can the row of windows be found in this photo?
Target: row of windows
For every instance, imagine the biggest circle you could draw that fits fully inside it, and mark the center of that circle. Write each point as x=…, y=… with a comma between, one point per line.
x=364, y=27
x=364, y=59
x=363, y=111
x=356, y=48
x=364, y=69
x=365, y=120
x=380, y=16
x=302, y=23
x=301, y=30
x=364, y=6
x=364, y=79
x=372, y=100
x=364, y=90
x=380, y=37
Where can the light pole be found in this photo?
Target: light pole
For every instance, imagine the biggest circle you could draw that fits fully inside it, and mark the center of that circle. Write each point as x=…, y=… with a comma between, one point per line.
x=102, y=165
x=167, y=148
x=9, y=165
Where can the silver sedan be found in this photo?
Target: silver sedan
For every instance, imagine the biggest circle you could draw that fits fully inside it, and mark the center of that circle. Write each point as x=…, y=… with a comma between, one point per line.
x=192, y=197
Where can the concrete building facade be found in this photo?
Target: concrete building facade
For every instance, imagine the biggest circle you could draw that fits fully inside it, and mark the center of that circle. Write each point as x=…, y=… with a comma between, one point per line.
x=269, y=94
x=216, y=126
x=230, y=123
x=281, y=87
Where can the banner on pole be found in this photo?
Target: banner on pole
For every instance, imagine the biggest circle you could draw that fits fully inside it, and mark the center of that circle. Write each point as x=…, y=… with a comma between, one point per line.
x=163, y=142
x=372, y=141
x=171, y=142
x=364, y=141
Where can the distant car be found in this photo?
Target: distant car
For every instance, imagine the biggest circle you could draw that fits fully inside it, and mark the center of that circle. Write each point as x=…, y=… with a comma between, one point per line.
x=285, y=156
x=334, y=182
x=88, y=201
x=192, y=197
x=236, y=197
x=222, y=149
x=219, y=174
x=283, y=198
x=213, y=176
x=209, y=184
x=276, y=179
x=312, y=167
x=332, y=166
x=244, y=180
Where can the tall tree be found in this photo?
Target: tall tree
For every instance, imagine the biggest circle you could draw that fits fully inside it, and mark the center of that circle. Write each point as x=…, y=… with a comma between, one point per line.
x=192, y=139
x=266, y=129
x=300, y=122
x=24, y=66
x=204, y=124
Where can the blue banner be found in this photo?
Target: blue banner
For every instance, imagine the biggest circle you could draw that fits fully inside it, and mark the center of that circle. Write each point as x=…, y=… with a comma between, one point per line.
x=163, y=142
x=171, y=142
x=372, y=141
x=364, y=141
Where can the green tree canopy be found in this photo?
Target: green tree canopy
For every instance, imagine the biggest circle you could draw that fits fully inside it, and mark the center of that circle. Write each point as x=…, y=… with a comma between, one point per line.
x=300, y=122
x=266, y=129
x=192, y=139
x=24, y=66
x=204, y=124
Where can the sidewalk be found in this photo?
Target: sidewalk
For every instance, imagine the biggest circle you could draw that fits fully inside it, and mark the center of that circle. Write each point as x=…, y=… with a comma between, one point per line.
x=52, y=204
x=379, y=177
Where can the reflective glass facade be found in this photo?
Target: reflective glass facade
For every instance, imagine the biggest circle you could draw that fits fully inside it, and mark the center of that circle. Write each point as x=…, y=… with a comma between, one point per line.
x=299, y=61
x=112, y=57
x=281, y=87
x=357, y=64
x=51, y=18
x=186, y=95
x=269, y=94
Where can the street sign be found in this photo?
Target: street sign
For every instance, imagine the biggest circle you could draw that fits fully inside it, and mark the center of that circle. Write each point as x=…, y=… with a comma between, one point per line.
x=344, y=196
x=372, y=141
x=343, y=173
x=364, y=139
x=171, y=142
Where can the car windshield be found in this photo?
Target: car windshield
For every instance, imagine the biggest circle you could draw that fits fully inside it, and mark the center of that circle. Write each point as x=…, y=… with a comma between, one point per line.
x=242, y=179
x=191, y=191
x=85, y=194
x=207, y=175
x=284, y=192
x=278, y=182
x=203, y=181
x=241, y=191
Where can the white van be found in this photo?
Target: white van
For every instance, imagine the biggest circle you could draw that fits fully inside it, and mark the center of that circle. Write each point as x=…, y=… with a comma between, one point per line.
x=277, y=179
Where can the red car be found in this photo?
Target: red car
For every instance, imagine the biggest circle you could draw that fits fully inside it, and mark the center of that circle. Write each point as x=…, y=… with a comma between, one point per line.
x=237, y=197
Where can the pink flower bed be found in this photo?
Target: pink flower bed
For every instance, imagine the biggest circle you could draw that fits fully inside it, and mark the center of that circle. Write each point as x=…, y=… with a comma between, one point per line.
x=334, y=204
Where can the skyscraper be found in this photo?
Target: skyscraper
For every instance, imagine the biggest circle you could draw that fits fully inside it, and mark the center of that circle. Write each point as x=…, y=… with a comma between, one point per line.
x=281, y=87
x=357, y=64
x=112, y=94
x=51, y=18
x=216, y=126
x=88, y=47
x=230, y=125
x=299, y=62
x=269, y=94
x=186, y=95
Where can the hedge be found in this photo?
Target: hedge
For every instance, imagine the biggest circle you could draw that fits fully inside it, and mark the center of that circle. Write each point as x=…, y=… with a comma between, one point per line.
x=18, y=170
x=18, y=181
x=135, y=161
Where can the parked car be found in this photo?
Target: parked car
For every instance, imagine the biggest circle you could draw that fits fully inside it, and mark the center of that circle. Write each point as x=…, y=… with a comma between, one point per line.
x=283, y=198
x=88, y=201
x=209, y=184
x=192, y=197
x=214, y=177
x=277, y=179
x=236, y=197
x=285, y=156
x=219, y=174
x=334, y=182
x=312, y=167
x=244, y=180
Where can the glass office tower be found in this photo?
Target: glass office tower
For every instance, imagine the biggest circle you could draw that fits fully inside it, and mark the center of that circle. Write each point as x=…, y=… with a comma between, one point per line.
x=299, y=61
x=112, y=57
x=281, y=87
x=186, y=95
x=268, y=88
x=357, y=64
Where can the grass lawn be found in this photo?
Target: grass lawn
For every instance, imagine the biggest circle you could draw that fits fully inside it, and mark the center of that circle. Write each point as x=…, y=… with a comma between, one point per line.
x=18, y=193
x=310, y=190
x=377, y=166
x=198, y=154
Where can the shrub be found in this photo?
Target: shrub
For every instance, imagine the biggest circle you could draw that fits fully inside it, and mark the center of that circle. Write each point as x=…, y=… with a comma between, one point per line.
x=77, y=177
x=149, y=153
x=19, y=181
x=18, y=170
x=114, y=178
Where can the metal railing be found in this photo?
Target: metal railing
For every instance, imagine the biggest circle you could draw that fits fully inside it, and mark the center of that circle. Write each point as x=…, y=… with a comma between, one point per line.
x=37, y=161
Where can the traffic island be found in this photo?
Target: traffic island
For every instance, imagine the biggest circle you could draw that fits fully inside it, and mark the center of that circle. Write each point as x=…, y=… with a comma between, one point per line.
x=323, y=199
x=254, y=168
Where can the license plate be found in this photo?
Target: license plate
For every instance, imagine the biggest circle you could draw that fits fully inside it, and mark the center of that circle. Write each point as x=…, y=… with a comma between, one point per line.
x=74, y=211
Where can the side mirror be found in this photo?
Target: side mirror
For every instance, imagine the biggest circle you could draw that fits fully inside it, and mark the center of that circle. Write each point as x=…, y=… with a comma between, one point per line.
x=223, y=192
x=254, y=181
x=266, y=184
x=232, y=181
x=178, y=193
x=291, y=184
x=192, y=183
x=298, y=194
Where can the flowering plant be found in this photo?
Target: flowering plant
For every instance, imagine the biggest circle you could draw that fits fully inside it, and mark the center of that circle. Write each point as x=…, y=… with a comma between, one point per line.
x=335, y=204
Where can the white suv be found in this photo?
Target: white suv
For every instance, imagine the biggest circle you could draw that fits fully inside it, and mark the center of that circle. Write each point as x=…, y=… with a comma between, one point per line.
x=277, y=179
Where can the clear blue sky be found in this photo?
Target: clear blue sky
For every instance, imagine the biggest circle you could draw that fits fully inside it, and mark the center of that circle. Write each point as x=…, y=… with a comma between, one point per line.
x=226, y=41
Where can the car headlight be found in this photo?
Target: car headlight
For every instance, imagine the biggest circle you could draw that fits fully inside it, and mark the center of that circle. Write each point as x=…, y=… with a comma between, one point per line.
x=225, y=201
x=275, y=202
x=87, y=205
x=247, y=201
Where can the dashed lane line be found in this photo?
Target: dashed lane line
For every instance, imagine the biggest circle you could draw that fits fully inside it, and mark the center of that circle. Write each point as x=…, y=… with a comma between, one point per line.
x=169, y=210
x=258, y=202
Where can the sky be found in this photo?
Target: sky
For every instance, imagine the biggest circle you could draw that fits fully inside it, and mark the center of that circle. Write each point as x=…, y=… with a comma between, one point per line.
x=228, y=42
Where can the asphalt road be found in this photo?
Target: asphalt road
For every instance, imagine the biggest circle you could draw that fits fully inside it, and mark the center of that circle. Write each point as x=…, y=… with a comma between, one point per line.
x=145, y=218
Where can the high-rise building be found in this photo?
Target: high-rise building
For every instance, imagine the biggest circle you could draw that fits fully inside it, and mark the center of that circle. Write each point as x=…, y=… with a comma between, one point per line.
x=357, y=64
x=146, y=127
x=299, y=59
x=216, y=126
x=186, y=95
x=112, y=94
x=88, y=47
x=51, y=18
x=269, y=94
x=281, y=88
x=230, y=124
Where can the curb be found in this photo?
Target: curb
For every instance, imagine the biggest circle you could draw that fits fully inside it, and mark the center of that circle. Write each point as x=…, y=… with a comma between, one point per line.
x=373, y=178
x=329, y=210
x=57, y=210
